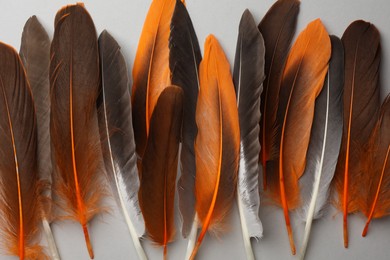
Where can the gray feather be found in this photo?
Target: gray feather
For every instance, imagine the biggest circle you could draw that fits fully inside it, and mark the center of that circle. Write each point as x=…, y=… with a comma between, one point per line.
x=331, y=100
x=116, y=129
x=248, y=77
x=35, y=55
x=184, y=60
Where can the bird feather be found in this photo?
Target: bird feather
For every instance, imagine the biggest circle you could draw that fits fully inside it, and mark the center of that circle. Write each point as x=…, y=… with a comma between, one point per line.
x=217, y=143
x=117, y=137
x=324, y=145
x=159, y=167
x=19, y=193
x=74, y=80
x=184, y=60
x=361, y=106
x=248, y=77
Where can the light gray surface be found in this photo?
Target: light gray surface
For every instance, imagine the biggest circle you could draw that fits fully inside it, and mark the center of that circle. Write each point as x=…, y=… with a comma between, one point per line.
x=124, y=20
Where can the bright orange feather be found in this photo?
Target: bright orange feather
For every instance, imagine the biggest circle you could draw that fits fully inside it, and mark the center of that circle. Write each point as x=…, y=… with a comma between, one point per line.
x=302, y=81
x=151, y=68
x=217, y=142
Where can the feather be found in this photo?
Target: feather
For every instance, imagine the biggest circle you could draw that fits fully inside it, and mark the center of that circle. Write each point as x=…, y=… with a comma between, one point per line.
x=35, y=55
x=184, y=60
x=19, y=203
x=159, y=167
x=377, y=169
x=217, y=143
x=361, y=106
x=248, y=77
x=151, y=68
x=303, y=78
x=74, y=80
x=278, y=28
x=117, y=137
x=324, y=145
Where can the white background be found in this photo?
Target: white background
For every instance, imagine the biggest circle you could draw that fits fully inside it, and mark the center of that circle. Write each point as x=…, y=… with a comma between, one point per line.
x=124, y=20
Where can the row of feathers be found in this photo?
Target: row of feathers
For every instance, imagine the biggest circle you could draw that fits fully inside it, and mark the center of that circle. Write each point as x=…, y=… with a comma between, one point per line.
x=307, y=116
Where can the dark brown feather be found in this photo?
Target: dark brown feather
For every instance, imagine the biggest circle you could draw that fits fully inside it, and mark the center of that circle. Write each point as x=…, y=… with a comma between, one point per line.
x=19, y=207
x=75, y=79
x=361, y=106
x=184, y=60
x=159, y=167
x=278, y=28
x=376, y=167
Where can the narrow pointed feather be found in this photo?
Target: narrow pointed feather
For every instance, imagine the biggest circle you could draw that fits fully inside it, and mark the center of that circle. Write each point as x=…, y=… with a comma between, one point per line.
x=278, y=28
x=117, y=137
x=74, y=80
x=376, y=167
x=217, y=143
x=248, y=77
x=159, y=167
x=303, y=78
x=151, y=68
x=324, y=145
x=35, y=55
x=19, y=205
x=184, y=60
x=361, y=106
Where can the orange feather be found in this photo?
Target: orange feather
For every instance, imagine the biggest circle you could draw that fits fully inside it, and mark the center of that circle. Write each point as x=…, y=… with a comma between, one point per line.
x=151, y=68
x=19, y=204
x=74, y=81
x=218, y=140
x=302, y=81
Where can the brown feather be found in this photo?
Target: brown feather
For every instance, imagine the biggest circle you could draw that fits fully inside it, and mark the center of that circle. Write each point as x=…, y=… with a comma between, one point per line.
x=218, y=141
x=74, y=79
x=361, y=106
x=151, y=68
x=19, y=206
x=376, y=167
x=278, y=28
x=303, y=78
x=159, y=167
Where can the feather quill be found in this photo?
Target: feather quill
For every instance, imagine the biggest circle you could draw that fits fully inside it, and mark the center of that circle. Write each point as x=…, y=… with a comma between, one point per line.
x=361, y=106
x=159, y=167
x=35, y=55
x=19, y=202
x=248, y=77
x=74, y=80
x=217, y=143
x=184, y=60
x=117, y=137
x=324, y=145
x=151, y=68
x=278, y=28
x=376, y=168
x=303, y=78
